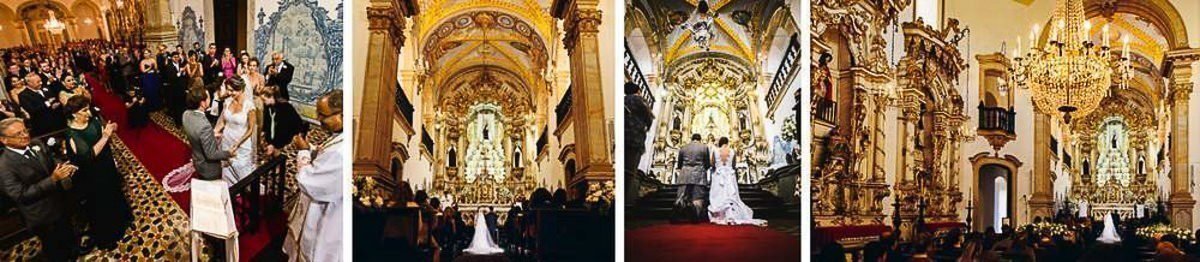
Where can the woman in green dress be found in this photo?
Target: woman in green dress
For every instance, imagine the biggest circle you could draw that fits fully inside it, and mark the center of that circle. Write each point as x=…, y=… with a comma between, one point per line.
x=99, y=182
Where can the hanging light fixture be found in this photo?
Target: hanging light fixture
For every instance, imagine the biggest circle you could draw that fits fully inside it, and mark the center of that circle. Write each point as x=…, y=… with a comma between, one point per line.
x=53, y=25
x=1070, y=73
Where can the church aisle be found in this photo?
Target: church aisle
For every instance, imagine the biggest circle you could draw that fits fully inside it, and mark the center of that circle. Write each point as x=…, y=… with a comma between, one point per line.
x=709, y=242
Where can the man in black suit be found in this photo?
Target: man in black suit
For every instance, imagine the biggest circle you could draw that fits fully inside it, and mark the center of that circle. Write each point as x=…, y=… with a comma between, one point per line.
x=211, y=64
x=283, y=77
x=173, y=88
x=42, y=106
x=281, y=123
x=492, y=222
x=32, y=178
x=50, y=80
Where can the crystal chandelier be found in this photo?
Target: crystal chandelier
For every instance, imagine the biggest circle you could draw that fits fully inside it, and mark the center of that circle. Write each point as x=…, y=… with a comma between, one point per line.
x=1070, y=73
x=53, y=25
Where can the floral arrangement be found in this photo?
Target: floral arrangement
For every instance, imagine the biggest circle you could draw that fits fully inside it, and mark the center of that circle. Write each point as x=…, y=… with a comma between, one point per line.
x=1158, y=230
x=600, y=191
x=1050, y=229
x=365, y=190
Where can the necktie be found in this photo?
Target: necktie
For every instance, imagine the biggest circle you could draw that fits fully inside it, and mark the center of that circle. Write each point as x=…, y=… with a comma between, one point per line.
x=29, y=154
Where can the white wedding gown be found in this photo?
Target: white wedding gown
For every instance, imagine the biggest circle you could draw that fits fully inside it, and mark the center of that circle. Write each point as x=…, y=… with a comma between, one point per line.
x=481, y=243
x=1109, y=235
x=236, y=126
x=725, y=203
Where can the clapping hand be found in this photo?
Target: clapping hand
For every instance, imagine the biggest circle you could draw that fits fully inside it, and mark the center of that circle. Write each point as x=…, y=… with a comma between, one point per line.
x=64, y=171
x=109, y=129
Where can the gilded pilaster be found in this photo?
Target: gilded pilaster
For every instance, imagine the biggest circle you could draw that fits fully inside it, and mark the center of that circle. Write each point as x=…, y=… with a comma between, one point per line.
x=1181, y=202
x=373, y=139
x=581, y=22
x=159, y=27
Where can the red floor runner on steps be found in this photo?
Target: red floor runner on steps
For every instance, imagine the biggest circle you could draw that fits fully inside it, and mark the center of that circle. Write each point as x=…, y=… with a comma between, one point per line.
x=161, y=152
x=708, y=242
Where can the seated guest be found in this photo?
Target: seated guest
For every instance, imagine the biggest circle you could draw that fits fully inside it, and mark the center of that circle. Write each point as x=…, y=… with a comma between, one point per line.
x=101, y=184
x=38, y=184
x=280, y=122
x=1165, y=250
x=71, y=88
x=16, y=86
x=42, y=106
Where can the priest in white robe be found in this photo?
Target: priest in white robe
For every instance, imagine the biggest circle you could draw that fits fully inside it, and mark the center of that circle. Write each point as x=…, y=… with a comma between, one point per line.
x=315, y=226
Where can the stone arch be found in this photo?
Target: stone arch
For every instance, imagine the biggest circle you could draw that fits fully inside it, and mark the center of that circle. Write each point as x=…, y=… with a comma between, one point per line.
x=88, y=19
x=1161, y=13
x=978, y=164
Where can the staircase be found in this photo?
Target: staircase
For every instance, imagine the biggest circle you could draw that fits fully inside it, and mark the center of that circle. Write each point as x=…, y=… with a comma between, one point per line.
x=658, y=204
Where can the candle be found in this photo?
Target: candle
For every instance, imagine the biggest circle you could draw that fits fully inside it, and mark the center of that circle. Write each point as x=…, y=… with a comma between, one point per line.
x=1125, y=47
x=1105, y=34
x=1017, y=52
x=1087, y=28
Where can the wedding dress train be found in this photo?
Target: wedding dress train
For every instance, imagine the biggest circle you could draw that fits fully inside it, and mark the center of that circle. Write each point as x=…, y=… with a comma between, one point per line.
x=1109, y=235
x=481, y=243
x=725, y=203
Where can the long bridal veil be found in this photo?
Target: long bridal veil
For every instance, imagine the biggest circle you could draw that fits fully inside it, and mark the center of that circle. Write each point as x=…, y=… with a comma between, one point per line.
x=481, y=243
x=1109, y=235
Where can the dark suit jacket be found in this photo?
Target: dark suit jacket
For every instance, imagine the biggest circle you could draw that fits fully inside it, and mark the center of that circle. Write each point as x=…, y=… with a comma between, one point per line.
x=284, y=78
x=28, y=183
x=286, y=122
x=41, y=116
x=492, y=220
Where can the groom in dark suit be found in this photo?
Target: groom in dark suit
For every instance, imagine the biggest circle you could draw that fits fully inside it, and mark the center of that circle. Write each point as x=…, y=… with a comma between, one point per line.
x=692, y=167
x=33, y=179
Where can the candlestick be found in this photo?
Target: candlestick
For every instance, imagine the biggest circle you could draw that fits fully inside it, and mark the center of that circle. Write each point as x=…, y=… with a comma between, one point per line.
x=1087, y=28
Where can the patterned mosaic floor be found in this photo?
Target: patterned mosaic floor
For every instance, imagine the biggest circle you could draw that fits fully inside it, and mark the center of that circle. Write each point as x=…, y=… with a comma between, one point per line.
x=160, y=227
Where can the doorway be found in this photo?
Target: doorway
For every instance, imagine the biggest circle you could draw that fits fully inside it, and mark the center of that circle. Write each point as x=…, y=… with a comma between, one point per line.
x=229, y=25
x=995, y=196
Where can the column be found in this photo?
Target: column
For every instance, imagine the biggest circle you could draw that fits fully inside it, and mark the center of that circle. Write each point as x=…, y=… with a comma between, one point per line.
x=581, y=21
x=1041, y=202
x=373, y=136
x=159, y=27
x=1181, y=202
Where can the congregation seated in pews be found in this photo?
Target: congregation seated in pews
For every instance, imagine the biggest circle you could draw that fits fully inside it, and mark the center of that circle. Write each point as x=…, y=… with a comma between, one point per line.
x=543, y=226
x=1063, y=238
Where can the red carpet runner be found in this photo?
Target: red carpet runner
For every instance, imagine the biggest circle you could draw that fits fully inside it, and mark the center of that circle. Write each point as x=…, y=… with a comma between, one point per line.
x=161, y=152
x=707, y=242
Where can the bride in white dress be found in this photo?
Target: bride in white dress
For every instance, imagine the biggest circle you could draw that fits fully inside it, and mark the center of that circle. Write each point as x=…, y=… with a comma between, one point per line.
x=1109, y=235
x=481, y=243
x=236, y=128
x=725, y=205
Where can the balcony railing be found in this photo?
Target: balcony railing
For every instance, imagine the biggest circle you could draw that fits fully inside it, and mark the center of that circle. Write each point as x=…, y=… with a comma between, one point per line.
x=787, y=68
x=564, y=106
x=633, y=73
x=542, y=141
x=404, y=105
x=427, y=140
x=826, y=109
x=997, y=119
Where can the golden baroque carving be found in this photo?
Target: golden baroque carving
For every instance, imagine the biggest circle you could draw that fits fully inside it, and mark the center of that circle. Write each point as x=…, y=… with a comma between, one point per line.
x=581, y=22
x=387, y=20
x=862, y=23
